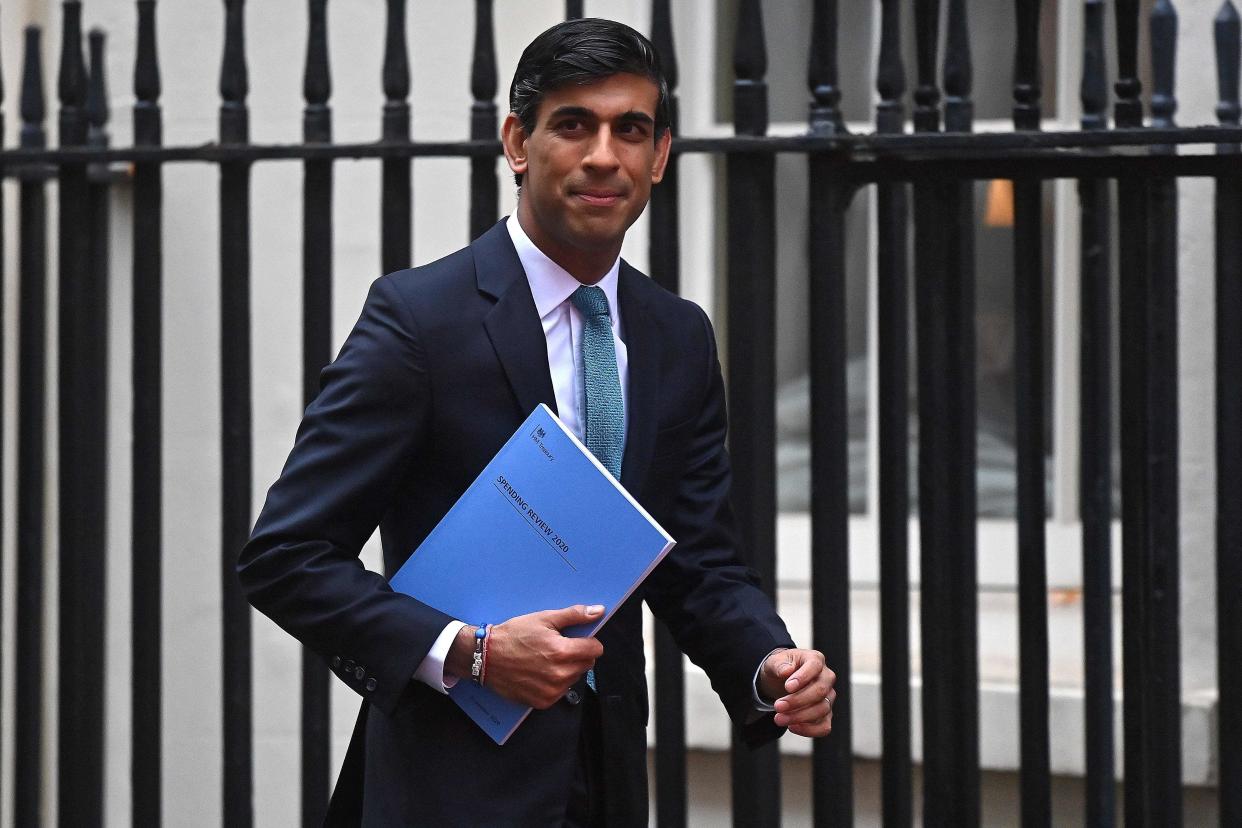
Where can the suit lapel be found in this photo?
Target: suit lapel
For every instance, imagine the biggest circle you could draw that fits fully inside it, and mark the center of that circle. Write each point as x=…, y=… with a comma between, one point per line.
x=513, y=322
x=643, y=350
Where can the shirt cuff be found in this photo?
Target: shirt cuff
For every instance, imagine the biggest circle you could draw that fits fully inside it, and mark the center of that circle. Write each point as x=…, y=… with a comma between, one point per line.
x=760, y=704
x=431, y=671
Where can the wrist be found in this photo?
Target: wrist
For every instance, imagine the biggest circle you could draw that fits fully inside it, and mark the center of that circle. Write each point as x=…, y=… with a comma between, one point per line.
x=461, y=653
x=770, y=685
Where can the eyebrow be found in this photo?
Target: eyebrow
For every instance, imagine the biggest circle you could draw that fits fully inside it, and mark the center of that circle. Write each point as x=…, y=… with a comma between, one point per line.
x=632, y=116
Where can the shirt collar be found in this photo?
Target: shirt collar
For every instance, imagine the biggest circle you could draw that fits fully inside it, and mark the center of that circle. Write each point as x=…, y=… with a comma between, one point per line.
x=551, y=284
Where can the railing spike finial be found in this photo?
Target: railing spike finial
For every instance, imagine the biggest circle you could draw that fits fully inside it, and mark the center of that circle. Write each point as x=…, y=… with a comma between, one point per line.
x=1228, y=31
x=146, y=63
x=825, y=113
x=1026, y=91
x=1163, y=24
x=33, y=105
x=234, y=80
x=958, y=70
x=926, y=93
x=316, y=76
x=396, y=74
x=71, y=81
x=1128, y=110
x=890, y=78
x=97, y=94
x=750, y=65
x=484, y=189
x=662, y=39
x=483, y=78
x=1094, y=89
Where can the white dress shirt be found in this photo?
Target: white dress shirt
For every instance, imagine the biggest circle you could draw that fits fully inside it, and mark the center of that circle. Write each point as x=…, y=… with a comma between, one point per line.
x=551, y=286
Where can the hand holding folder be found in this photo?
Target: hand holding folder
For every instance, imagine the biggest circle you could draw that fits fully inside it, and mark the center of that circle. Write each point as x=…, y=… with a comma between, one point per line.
x=529, y=661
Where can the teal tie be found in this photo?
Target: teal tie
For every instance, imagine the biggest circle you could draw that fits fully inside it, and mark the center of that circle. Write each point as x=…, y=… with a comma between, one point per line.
x=604, y=412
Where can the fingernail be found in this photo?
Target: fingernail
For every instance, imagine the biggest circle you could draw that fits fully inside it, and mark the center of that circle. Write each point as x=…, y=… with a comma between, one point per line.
x=595, y=609
x=791, y=685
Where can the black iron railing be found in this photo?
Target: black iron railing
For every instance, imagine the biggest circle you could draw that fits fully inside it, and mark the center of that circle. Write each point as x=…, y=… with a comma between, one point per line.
x=925, y=175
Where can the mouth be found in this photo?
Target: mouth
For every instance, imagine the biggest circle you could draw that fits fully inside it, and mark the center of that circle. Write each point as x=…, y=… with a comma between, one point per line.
x=598, y=197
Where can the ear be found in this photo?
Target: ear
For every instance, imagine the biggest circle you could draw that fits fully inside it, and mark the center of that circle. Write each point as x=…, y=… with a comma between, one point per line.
x=661, y=156
x=513, y=139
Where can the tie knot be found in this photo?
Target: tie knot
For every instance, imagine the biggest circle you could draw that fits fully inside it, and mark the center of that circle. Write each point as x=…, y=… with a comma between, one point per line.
x=591, y=301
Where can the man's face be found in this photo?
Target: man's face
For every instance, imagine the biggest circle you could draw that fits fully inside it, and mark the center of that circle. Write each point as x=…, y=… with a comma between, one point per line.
x=587, y=168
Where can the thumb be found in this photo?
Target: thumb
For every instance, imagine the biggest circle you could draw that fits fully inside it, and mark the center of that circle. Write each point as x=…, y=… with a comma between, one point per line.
x=782, y=663
x=572, y=616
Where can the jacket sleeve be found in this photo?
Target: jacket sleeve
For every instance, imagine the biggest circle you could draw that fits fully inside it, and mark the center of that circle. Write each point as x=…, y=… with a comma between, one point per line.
x=710, y=600
x=301, y=566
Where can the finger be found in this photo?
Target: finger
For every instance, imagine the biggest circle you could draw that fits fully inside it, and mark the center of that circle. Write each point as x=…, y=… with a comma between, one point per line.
x=572, y=616
x=810, y=695
x=810, y=665
x=581, y=649
x=804, y=715
x=814, y=730
x=779, y=664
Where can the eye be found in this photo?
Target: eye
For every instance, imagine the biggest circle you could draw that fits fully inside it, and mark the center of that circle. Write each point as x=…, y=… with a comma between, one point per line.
x=570, y=125
x=632, y=129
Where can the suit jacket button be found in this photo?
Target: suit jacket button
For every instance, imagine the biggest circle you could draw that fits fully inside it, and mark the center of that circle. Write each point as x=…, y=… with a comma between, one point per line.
x=370, y=685
x=360, y=674
x=336, y=662
x=349, y=665
x=573, y=696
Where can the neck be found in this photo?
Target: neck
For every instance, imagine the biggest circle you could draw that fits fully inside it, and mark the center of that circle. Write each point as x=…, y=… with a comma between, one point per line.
x=587, y=266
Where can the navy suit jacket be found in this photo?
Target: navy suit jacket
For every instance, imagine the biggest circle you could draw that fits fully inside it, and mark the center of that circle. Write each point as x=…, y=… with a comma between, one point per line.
x=443, y=365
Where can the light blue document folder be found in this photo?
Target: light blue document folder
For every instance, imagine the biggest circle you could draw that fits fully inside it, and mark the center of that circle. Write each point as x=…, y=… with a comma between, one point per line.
x=544, y=526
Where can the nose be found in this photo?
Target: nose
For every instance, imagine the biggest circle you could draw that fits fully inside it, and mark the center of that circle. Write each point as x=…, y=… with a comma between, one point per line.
x=602, y=155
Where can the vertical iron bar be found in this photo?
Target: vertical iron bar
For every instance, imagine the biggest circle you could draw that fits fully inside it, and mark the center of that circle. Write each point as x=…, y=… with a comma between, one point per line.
x=1095, y=438
x=316, y=353
x=1161, y=706
x=96, y=291
x=751, y=356
x=573, y=9
x=832, y=767
x=1132, y=266
x=892, y=324
x=944, y=283
x=147, y=448
x=235, y=420
x=3, y=408
x=1149, y=459
x=1228, y=29
x=82, y=463
x=31, y=451
x=665, y=259
x=484, y=188
x=1030, y=426
x=665, y=224
x=395, y=209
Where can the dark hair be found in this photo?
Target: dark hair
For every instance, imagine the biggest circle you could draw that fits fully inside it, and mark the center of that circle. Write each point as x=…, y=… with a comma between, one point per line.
x=583, y=51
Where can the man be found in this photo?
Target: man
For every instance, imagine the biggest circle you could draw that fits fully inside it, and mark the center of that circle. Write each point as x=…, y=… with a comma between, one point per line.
x=443, y=365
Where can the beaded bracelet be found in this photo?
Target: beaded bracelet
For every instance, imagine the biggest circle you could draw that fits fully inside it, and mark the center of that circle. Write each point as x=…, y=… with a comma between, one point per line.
x=487, y=639
x=476, y=666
